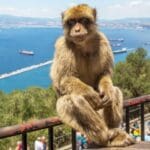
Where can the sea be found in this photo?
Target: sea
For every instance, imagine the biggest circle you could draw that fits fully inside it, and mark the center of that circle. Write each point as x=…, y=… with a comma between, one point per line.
x=41, y=41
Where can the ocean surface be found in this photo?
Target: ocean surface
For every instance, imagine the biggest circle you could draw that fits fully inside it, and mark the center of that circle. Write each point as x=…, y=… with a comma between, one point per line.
x=41, y=41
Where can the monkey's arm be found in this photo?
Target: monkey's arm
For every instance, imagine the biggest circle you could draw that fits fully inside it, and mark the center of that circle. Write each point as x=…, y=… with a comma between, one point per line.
x=105, y=81
x=112, y=96
x=112, y=101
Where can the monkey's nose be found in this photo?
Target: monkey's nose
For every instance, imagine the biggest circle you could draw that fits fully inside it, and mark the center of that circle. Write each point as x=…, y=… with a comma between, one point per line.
x=77, y=30
x=77, y=27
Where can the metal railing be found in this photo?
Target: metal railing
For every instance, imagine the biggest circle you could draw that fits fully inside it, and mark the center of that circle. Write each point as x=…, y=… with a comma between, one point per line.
x=25, y=128
x=50, y=123
x=133, y=103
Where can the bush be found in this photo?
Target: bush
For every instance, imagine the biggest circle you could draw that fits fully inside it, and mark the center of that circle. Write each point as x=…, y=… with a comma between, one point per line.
x=133, y=75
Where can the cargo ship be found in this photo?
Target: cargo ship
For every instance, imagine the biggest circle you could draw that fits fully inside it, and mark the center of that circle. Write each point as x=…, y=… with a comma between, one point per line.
x=123, y=50
x=26, y=52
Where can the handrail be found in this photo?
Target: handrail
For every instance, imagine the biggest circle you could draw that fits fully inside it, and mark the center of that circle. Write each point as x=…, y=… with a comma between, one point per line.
x=133, y=102
x=29, y=126
x=136, y=101
x=49, y=123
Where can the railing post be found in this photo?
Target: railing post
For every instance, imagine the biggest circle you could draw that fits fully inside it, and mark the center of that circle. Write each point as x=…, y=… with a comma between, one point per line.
x=73, y=139
x=24, y=141
x=127, y=119
x=50, y=138
x=142, y=123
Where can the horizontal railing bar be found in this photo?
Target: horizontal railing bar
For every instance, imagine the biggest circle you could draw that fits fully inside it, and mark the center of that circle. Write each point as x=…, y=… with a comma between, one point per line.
x=54, y=121
x=137, y=100
x=29, y=127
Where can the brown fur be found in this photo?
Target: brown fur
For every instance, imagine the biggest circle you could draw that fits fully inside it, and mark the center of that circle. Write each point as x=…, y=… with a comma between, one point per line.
x=81, y=75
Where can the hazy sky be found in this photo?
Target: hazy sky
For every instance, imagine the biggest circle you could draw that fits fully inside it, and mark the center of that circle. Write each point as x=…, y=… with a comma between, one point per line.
x=107, y=9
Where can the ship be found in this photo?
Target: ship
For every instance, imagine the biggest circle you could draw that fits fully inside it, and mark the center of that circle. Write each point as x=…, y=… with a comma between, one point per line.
x=119, y=40
x=147, y=43
x=115, y=44
x=123, y=50
x=26, y=52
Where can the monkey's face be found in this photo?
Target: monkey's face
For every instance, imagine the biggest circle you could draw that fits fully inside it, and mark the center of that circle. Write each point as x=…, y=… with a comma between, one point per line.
x=79, y=23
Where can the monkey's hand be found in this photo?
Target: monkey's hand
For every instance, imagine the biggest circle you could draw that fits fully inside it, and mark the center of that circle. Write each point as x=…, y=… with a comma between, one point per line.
x=93, y=98
x=107, y=91
x=108, y=96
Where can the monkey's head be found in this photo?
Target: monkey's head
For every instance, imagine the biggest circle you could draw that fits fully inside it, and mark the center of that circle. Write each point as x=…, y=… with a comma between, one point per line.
x=79, y=23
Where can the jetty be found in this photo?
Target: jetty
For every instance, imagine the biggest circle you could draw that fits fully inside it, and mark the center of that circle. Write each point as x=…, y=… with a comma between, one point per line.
x=19, y=71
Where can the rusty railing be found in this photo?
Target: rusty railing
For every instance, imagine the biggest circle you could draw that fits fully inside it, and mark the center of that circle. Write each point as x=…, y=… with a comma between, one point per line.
x=133, y=103
x=50, y=123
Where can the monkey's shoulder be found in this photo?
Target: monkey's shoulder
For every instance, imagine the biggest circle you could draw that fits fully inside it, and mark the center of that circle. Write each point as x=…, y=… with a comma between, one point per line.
x=105, y=49
x=60, y=43
x=103, y=38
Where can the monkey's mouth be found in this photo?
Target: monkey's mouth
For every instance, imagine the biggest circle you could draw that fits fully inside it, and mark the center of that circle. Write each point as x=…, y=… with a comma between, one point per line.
x=79, y=38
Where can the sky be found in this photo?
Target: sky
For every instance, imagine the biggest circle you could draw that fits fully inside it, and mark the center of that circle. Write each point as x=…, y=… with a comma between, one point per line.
x=107, y=9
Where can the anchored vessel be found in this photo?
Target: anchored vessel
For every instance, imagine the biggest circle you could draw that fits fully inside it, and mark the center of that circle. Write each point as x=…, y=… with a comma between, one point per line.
x=26, y=52
x=123, y=50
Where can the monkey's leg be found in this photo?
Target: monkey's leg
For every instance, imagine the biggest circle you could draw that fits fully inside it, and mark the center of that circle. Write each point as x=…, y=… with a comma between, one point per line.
x=113, y=117
x=76, y=112
x=113, y=113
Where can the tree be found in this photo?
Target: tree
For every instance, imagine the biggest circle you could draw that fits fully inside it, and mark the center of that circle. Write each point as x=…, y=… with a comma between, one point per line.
x=21, y=106
x=133, y=75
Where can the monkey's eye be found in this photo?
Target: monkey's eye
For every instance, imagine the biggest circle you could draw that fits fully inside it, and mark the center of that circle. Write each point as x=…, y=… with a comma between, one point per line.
x=71, y=22
x=85, y=21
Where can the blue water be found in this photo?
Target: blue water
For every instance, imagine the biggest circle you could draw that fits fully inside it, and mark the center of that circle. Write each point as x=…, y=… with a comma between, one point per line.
x=41, y=41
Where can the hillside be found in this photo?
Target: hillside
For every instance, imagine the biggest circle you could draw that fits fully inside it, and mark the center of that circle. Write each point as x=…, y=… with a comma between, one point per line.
x=8, y=21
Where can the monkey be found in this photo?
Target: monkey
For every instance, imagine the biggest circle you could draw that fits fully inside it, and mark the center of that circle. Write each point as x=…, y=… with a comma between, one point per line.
x=81, y=75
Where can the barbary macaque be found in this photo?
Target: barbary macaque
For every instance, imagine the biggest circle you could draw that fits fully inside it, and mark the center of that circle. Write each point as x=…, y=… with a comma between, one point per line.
x=81, y=74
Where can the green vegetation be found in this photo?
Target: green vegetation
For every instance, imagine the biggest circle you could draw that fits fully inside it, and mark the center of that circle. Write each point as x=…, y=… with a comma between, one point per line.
x=133, y=75
x=20, y=106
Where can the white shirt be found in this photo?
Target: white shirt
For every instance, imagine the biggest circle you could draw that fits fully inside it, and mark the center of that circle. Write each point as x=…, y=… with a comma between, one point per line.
x=38, y=145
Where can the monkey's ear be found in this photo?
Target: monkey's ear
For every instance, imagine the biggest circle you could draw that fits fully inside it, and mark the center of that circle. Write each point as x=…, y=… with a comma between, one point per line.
x=94, y=13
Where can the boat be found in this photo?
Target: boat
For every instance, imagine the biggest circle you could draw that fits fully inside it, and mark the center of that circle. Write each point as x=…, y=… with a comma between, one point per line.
x=119, y=39
x=147, y=43
x=123, y=50
x=115, y=44
x=26, y=52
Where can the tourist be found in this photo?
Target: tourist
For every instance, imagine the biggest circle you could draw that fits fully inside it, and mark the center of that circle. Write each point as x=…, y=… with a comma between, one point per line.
x=19, y=145
x=43, y=139
x=147, y=133
x=38, y=145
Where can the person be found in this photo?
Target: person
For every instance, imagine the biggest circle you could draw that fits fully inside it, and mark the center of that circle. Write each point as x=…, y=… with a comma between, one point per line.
x=147, y=132
x=19, y=145
x=81, y=141
x=43, y=139
x=38, y=145
x=135, y=124
x=136, y=131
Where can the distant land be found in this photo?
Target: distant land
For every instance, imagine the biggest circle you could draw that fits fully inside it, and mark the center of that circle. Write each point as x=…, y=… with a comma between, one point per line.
x=8, y=21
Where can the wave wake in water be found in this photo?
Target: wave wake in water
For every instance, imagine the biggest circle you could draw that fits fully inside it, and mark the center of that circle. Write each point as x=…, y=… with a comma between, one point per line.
x=19, y=71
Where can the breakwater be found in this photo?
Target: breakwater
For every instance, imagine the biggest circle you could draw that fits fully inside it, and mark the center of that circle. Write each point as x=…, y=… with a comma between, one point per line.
x=19, y=71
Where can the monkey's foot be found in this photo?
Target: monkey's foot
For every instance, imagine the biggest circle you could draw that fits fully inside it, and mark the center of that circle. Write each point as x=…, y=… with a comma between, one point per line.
x=120, y=139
